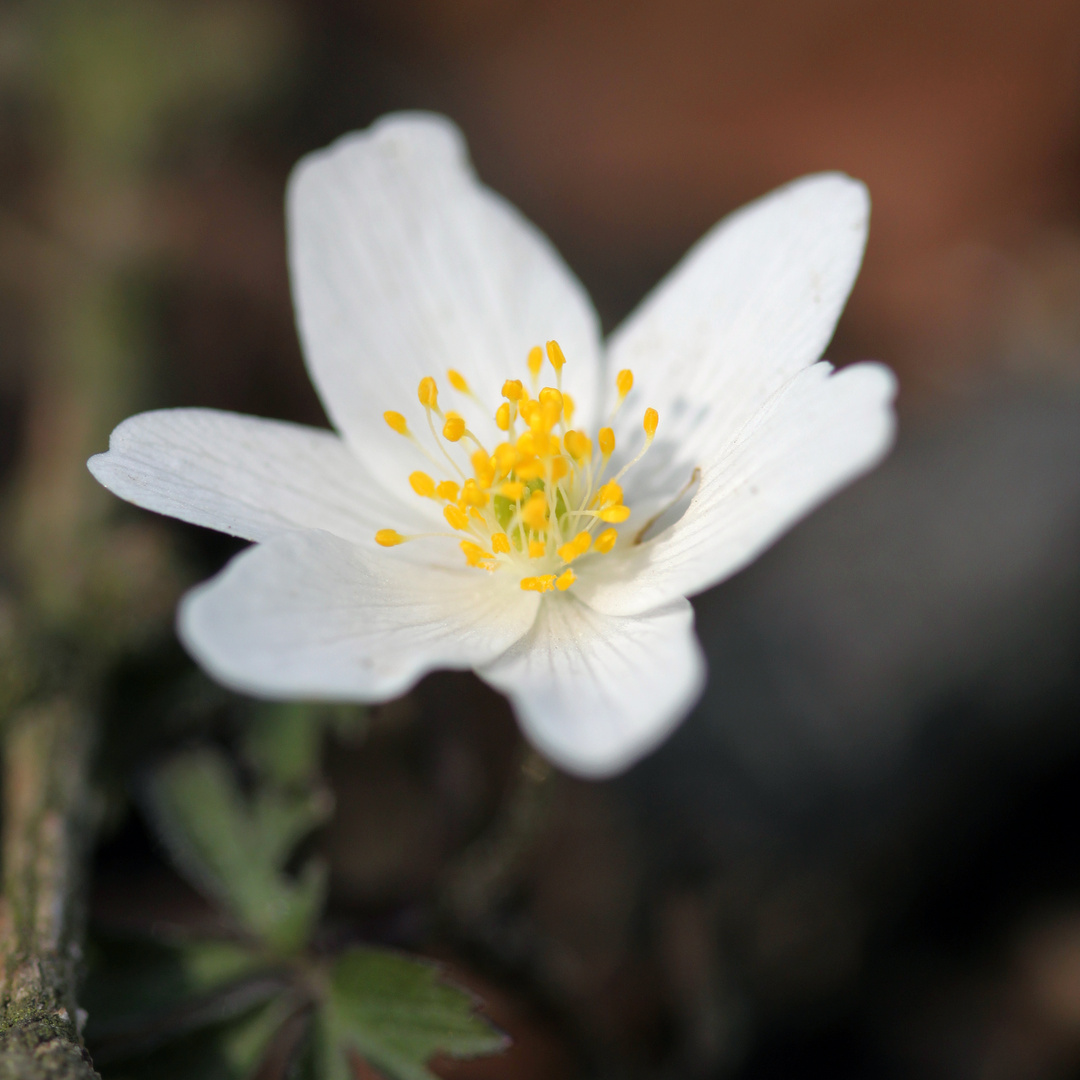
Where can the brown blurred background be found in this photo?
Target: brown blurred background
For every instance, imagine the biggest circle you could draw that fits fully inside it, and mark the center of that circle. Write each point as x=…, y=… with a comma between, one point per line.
x=858, y=857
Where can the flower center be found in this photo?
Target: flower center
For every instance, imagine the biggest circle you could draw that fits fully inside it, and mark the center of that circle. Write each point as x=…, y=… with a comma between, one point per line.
x=541, y=499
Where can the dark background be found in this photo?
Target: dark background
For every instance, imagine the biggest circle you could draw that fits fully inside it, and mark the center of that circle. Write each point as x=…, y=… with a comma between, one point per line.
x=859, y=857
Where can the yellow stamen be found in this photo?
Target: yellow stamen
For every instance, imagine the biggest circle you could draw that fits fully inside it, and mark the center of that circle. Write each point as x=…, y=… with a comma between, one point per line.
x=606, y=541
x=541, y=584
x=472, y=495
x=506, y=456
x=550, y=394
x=610, y=494
x=531, y=469
x=548, y=479
x=536, y=360
x=456, y=517
x=574, y=549
x=578, y=446
x=396, y=421
x=428, y=393
x=485, y=471
x=475, y=555
x=534, y=513
x=422, y=484
x=555, y=355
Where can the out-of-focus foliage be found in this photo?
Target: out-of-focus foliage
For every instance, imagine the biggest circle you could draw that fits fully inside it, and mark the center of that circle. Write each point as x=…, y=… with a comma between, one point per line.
x=263, y=998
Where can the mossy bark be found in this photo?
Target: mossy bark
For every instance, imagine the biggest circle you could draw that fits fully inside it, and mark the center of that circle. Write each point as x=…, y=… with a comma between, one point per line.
x=47, y=829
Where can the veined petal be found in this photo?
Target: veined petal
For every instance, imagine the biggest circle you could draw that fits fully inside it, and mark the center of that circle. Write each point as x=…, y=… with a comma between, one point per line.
x=820, y=432
x=404, y=265
x=246, y=476
x=309, y=615
x=596, y=692
x=755, y=301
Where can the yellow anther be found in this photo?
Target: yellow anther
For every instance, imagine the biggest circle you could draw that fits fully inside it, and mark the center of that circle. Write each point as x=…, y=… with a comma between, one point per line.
x=500, y=543
x=513, y=390
x=454, y=427
x=565, y=580
x=506, y=456
x=428, y=393
x=456, y=517
x=574, y=549
x=482, y=467
x=567, y=407
x=530, y=469
x=549, y=415
x=615, y=515
x=447, y=489
x=610, y=494
x=607, y=441
x=528, y=445
x=606, y=541
x=555, y=355
x=476, y=517
x=536, y=360
x=578, y=446
x=396, y=421
x=422, y=484
x=513, y=490
x=624, y=382
x=502, y=416
x=542, y=584
x=475, y=555
x=457, y=381
x=472, y=495
x=652, y=418
x=549, y=393
x=534, y=513
x=389, y=538
x=537, y=549
x=559, y=469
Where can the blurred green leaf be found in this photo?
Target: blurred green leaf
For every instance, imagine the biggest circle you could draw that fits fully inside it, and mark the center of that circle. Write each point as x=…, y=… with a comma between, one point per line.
x=235, y=848
x=397, y=1013
x=283, y=743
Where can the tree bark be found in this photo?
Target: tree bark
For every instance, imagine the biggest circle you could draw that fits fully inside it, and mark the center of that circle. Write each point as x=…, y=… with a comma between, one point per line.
x=47, y=829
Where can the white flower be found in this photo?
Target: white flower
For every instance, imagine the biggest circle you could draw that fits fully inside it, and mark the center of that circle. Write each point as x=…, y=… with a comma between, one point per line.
x=413, y=281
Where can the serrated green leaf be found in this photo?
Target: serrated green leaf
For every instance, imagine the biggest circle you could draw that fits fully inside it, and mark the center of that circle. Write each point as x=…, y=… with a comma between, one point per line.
x=234, y=849
x=397, y=1013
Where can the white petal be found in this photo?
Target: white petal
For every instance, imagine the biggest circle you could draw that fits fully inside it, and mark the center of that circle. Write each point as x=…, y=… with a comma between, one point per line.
x=751, y=304
x=404, y=265
x=816, y=435
x=310, y=615
x=246, y=476
x=596, y=692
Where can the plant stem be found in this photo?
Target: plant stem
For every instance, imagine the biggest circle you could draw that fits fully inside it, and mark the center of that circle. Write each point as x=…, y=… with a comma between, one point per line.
x=490, y=868
x=46, y=838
